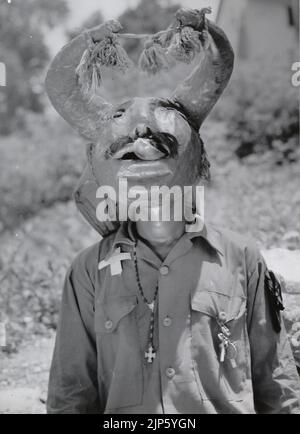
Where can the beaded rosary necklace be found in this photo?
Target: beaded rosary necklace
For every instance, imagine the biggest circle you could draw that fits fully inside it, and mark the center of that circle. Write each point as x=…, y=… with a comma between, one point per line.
x=150, y=352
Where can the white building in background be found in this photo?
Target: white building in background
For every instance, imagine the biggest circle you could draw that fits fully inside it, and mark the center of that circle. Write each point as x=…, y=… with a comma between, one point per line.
x=2, y=74
x=261, y=28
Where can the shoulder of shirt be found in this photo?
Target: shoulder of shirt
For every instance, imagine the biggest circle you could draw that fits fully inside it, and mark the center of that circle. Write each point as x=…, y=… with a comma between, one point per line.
x=88, y=259
x=234, y=243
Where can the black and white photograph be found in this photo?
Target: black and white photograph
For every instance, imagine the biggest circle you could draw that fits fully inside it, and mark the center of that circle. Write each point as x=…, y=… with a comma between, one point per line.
x=150, y=209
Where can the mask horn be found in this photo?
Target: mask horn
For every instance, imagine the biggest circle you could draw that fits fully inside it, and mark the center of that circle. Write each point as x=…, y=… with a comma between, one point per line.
x=86, y=113
x=202, y=89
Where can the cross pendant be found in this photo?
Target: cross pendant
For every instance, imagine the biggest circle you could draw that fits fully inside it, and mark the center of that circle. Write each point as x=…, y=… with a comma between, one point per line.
x=150, y=354
x=115, y=262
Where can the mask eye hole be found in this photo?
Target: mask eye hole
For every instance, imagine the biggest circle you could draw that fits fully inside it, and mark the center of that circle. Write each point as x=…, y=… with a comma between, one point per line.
x=119, y=113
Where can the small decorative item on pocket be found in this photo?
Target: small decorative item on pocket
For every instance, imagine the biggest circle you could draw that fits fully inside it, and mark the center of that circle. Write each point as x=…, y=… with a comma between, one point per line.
x=227, y=347
x=231, y=353
x=223, y=345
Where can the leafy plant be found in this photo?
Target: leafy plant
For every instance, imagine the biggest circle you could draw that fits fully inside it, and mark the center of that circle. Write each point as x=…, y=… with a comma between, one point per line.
x=38, y=167
x=23, y=50
x=263, y=112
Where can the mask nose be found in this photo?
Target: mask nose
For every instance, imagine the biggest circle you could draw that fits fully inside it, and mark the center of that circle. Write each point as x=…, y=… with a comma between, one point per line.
x=140, y=130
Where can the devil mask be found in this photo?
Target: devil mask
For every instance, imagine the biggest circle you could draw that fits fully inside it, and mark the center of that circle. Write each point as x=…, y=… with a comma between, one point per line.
x=148, y=141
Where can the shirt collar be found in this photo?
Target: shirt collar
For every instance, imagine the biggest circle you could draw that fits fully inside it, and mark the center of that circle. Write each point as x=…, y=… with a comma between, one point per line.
x=126, y=234
x=211, y=235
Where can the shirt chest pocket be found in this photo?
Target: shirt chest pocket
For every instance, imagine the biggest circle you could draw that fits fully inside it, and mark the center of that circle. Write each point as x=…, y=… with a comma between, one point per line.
x=219, y=297
x=220, y=307
x=119, y=360
x=218, y=323
x=114, y=314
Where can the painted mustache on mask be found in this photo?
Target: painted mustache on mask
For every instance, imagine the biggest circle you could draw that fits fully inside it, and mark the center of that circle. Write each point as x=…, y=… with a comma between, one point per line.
x=147, y=146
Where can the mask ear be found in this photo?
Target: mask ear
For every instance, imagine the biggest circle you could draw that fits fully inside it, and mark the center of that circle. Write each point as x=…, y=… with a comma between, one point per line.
x=202, y=89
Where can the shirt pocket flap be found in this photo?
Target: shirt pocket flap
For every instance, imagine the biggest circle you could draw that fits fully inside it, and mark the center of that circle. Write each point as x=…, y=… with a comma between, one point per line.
x=109, y=313
x=219, y=300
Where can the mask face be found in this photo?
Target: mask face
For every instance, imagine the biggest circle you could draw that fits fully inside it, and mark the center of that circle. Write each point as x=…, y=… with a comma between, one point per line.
x=149, y=142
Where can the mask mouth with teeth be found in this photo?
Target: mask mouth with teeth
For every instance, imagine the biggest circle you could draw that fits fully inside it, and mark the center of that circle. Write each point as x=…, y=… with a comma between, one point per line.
x=148, y=141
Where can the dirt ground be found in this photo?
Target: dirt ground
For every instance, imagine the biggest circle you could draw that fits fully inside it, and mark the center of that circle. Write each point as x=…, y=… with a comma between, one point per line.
x=24, y=378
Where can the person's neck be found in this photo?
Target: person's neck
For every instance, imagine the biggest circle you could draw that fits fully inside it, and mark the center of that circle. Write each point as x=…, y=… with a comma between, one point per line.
x=160, y=236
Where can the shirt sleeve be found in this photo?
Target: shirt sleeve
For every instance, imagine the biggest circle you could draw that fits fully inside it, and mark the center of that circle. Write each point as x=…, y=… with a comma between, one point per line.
x=276, y=383
x=73, y=374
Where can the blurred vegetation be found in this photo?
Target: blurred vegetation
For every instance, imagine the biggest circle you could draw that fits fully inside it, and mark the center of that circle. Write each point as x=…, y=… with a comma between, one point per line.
x=92, y=21
x=251, y=138
x=22, y=44
x=33, y=264
x=39, y=166
x=262, y=111
x=147, y=17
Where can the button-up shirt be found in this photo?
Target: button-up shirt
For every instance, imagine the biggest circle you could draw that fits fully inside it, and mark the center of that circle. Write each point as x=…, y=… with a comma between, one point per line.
x=216, y=348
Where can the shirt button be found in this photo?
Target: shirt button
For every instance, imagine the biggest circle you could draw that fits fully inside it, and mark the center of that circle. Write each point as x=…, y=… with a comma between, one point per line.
x=170, y=372
x=164, y=270
x=167, y=321
x=108, y=324
x=222, y=316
